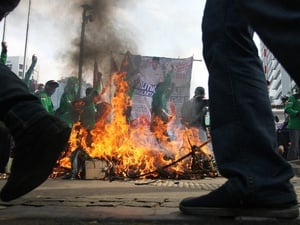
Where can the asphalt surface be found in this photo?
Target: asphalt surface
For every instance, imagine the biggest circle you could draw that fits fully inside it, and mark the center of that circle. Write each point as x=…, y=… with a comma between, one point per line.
x=134, y=202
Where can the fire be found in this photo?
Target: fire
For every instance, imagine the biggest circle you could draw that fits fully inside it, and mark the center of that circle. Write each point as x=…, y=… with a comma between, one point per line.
x=136, y=150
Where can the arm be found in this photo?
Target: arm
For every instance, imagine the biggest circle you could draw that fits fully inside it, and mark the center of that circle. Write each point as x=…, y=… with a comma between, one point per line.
x=30, y=70
x=3, y=56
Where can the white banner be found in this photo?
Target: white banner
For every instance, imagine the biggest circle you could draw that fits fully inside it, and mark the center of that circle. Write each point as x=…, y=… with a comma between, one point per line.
x=143, y=75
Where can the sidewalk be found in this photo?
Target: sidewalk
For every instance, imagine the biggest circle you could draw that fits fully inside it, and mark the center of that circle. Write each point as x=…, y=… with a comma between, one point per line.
x=142, y=202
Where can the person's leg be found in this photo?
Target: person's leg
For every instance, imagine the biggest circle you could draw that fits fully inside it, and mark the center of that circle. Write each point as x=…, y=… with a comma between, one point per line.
x=277, y=24
x=4, y=147
x=298, y=150
x=39, y=137
x=202, y=134
x=298, y=144
x=294, y=148
x=242, y=124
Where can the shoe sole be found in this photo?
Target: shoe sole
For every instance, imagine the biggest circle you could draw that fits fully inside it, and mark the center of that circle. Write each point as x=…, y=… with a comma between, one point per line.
x=283, y=213
x=17, y=185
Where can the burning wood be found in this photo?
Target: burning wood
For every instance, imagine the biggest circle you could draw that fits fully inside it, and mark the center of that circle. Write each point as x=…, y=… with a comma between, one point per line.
x=137, y=151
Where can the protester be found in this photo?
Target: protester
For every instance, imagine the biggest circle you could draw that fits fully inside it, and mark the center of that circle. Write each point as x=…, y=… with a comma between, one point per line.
x=283, y=139
x=88, y=114
x=30, y=70
x=292, y=108
x=39, y=137
x=3, y=56
x=103, y=109
x=242, y=125
x=40, y=88
x=45, y=95
x=66, y=110
x=193, y=113
x=282, y=131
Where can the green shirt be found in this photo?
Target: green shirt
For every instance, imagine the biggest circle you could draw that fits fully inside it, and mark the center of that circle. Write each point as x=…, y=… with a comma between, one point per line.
x=46, y=102
x=3, y=57
x=66, y=109
x=292, y=108
x=88, y=114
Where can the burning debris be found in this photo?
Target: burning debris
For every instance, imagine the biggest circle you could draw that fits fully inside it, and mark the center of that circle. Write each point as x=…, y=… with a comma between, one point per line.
x=116, y=147
x=127, y=151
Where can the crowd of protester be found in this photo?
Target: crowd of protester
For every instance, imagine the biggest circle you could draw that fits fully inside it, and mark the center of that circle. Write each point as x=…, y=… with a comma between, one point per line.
x=288, y=130
x=87, y=110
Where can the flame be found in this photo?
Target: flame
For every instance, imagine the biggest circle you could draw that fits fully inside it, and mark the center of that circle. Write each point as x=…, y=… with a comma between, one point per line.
x=135, y=149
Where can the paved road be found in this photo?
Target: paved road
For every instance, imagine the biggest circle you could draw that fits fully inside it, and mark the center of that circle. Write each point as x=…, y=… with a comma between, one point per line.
x=141, y=202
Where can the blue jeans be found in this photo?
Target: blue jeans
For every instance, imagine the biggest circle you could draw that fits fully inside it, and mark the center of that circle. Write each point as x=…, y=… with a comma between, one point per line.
x=242, y=125
x=19, y=108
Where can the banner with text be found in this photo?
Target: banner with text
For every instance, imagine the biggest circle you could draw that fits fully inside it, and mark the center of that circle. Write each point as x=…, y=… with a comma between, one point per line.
x=145, y=74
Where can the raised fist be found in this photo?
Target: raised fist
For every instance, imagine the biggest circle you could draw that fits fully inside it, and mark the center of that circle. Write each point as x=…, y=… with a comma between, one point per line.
x=34, y=59
x=4, y=46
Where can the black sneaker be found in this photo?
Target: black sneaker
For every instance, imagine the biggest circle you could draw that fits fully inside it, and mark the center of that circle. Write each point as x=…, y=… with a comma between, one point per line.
x=221, y=203
x=37, y=151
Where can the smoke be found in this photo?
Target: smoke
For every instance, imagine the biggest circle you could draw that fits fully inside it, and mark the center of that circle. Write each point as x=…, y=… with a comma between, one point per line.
x=105, y=34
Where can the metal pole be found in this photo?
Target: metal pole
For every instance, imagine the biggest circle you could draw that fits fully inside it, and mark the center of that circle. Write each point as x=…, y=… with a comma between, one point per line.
x=81, y=53
x=26, y=40
x=4, y=29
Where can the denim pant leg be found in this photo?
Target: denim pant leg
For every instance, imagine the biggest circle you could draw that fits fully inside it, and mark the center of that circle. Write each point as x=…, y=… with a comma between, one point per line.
x=277, y=23
x=18, y=106
x=242, y=125
x=5, y=146
x=293, y=153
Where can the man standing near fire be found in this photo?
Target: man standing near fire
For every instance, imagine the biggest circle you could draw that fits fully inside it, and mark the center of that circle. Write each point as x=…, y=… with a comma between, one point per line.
x=193, y=113
x=45, y=95
x=66, y=110
x=292, y=108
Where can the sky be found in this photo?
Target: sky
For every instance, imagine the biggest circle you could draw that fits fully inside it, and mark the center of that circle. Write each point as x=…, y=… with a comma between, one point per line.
x=168, y=28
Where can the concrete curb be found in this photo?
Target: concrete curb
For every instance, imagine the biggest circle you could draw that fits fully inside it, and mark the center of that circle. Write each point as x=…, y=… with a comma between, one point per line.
x=120, y=215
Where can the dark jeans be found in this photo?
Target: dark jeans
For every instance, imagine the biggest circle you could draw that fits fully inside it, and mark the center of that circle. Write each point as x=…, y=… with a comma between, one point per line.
x=5, y=146
x=19, y=108
x=242, y=124
x=294, y=151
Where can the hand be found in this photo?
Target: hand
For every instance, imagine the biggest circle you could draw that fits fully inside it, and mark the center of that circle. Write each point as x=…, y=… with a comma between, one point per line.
x=4, y=45
x=34, y=59
x=281, y=149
